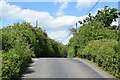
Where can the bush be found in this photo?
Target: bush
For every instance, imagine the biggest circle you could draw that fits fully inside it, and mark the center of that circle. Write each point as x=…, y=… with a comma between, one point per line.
x=15, y=61
x=94, y=30
x=71, y=52
x=22, y=41
x=105, y=53
x=37, y=39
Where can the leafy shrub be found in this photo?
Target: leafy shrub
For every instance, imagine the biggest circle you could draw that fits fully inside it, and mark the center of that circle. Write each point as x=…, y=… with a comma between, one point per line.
x=71, y=52
x=22, y=41
x=15, y=61
x=37, y=39
x=94, y=30
x=105, y=53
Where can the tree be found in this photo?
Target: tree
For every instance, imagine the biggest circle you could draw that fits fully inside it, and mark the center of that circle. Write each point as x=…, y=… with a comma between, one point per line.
x=106, y=15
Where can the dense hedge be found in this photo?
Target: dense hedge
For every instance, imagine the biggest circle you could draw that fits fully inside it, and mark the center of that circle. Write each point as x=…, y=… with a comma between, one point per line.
x=105, y=53
x=20, y=43
x=92, y=31
x=15, y=61
x=97, y=43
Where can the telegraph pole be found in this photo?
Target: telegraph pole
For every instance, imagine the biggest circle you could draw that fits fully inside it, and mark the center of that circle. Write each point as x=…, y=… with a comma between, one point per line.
x=76, y=27
x=37, y=23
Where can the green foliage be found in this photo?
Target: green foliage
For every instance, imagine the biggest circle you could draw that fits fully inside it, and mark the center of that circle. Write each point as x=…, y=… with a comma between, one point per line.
x=92, y=31
x=106, y=15
x=34, y=36
x=96, y=40
x=105, y=53
x=15, y=60
x=64, y=50
x=22, y=41
x=71, y=52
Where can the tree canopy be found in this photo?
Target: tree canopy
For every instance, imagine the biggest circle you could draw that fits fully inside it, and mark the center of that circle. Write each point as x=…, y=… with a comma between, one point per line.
x=106, y=15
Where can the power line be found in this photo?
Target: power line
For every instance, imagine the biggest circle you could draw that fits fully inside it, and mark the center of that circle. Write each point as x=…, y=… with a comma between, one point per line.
x=89, y=10
x=93, y=6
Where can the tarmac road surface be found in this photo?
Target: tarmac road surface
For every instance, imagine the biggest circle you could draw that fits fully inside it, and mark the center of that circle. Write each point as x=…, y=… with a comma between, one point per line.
x=63, y=68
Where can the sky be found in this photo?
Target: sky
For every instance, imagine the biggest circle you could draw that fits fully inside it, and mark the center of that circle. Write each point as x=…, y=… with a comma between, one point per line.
x=54, y=16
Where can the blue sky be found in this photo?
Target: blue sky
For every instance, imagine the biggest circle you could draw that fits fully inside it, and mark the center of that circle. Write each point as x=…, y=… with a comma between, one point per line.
x=54, y=17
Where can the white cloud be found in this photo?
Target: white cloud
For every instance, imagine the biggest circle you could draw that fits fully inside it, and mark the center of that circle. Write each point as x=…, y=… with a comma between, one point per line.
x=64, y=21
x=85, y=3
x=60, y=11
x=117, y=22
x=61, y=36
x=80, y=4
x=65, y=41
x=114, y=23
x=13, y=12
x=58, y=35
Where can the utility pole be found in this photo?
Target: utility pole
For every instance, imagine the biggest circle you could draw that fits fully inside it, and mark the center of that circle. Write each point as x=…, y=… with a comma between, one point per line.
x=76, y=28
x=37, y=23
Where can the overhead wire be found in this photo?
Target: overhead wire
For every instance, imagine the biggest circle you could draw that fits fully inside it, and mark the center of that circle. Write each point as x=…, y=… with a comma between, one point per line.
x=89, y=11
x=91, y=8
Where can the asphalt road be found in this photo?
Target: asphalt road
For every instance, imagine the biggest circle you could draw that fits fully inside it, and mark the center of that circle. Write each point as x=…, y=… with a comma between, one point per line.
x=63, y=68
